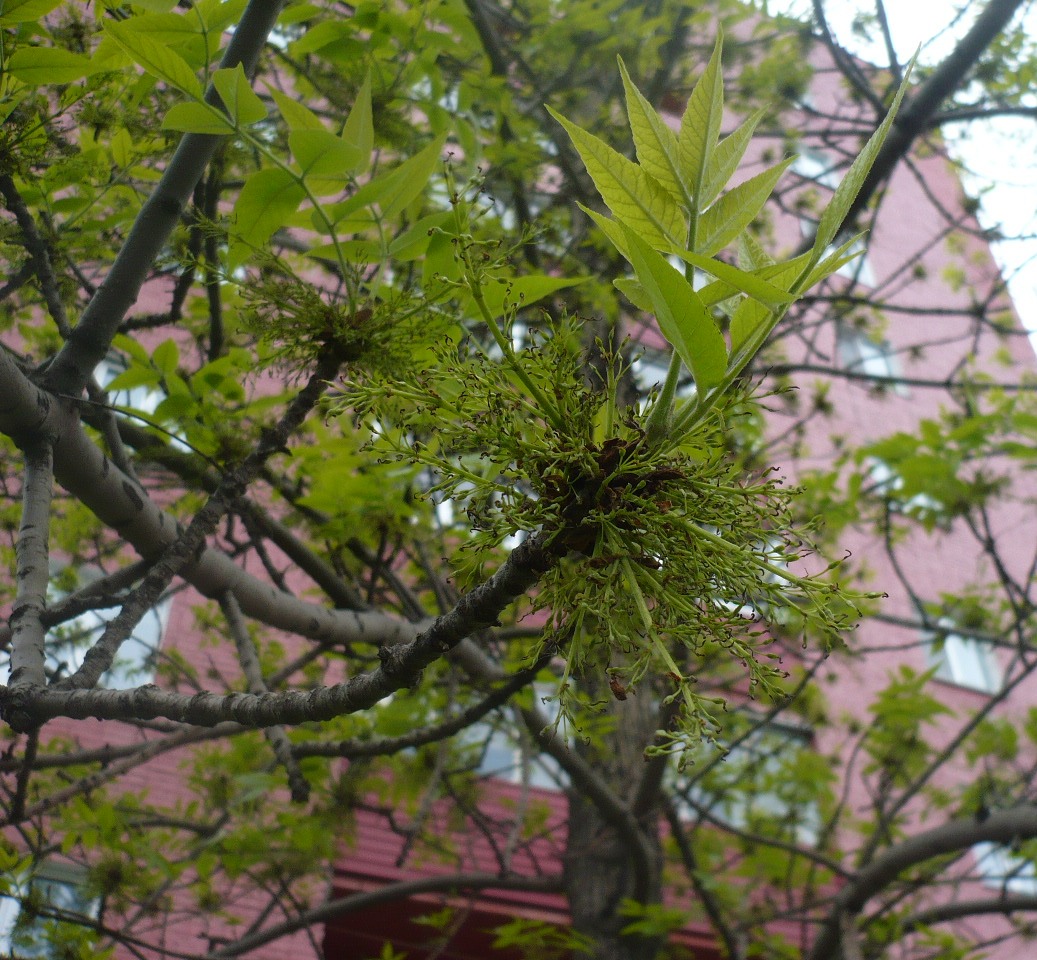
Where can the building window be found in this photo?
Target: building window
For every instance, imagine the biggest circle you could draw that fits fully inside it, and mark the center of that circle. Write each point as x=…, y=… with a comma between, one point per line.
x=68, y=643
x=999, y=867
x=37, y=915
x=859, y=353
x=963, y=660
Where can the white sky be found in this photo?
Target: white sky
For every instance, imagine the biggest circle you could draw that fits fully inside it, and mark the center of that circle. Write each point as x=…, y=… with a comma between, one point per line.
x=1001, y=154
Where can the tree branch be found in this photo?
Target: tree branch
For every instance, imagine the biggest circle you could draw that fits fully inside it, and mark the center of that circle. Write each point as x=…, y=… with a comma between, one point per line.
x=233, y=485
x=248, y=657
x=734, y=944
x=401, y=666
x=880, y=380
x=846, y=64
x=968, y=114
x=1000, y=827
x=386, y=746
x=1005, y=903
x=39, y=254
x=33, y=572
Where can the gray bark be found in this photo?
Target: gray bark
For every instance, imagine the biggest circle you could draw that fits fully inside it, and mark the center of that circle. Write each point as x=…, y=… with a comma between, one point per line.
x=602, y=867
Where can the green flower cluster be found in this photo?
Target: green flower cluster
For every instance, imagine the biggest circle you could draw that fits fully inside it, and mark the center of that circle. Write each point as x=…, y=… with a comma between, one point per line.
x=667, y=559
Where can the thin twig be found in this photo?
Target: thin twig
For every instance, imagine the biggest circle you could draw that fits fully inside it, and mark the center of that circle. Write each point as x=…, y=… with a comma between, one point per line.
x=248, y=657
x=39, y=253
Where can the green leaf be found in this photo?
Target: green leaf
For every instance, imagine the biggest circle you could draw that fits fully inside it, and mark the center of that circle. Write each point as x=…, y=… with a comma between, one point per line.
x=40, y=66
x=321, y=35
x=243, y=105
x=751, y=254
x=610, y=228
x=134, y=376
x=726, y=158
x=268, y=198
x=25, y=11
x=219, y=15
x=158, y=6
x=682, y=318
x=157, y=60
x=359, y=126
x=326, y=161
x=165, y=357
x=396, y=190
x=636, y=198
x=778, y=277
x=414, y=241
x=297, y=115
x=700, y=125
x=196, y=118
x=439, y=262
x=747, y=318
x=635, y=293
x=176, y=31
x=655, y=142
x=754, y=286
x=736, y=209
x=850, y=186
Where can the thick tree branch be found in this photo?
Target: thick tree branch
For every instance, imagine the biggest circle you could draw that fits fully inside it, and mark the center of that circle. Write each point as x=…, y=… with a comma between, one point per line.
x=1005, y=903
x=958, y=835
x=401, y=666
x=32, y=554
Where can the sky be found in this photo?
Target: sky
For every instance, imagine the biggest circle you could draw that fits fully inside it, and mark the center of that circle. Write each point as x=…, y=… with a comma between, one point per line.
x=1001, y=154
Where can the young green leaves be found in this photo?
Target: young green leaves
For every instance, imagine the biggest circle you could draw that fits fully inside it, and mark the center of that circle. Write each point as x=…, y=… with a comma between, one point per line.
x=671, y=204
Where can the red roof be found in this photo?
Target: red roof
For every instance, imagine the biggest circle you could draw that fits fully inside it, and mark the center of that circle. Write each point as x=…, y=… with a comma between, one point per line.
x=380, y=855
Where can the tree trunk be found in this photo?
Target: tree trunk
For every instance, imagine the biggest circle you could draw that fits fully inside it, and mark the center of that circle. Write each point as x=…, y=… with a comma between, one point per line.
x=601, y=869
